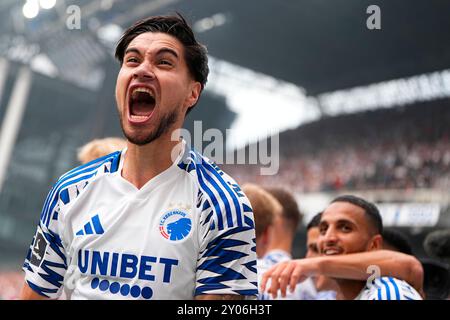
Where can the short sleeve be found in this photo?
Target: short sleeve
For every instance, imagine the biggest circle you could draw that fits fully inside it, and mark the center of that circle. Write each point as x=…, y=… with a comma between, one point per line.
x=227, y=256
x=46, y=263
x=388, y=288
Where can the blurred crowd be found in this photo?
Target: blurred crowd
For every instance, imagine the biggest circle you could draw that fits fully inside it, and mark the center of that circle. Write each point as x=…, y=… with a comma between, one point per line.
x=402, y=148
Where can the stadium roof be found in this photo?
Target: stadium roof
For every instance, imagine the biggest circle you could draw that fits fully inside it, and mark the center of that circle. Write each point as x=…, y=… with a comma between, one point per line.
x=319, y=45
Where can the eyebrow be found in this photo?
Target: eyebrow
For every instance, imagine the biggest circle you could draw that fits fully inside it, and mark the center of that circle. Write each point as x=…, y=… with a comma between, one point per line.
x=160, y=51
x=167, y=50
x=340, y=221
x=131, y=50
x=346, y=221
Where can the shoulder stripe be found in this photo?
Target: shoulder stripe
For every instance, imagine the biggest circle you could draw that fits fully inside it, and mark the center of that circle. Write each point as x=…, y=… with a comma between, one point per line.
x=397, y=292
x=388, y=293
x=230, y=192
x=46, y=218
x=57, y=188
x=213, y=198
x=379, y=294
x=113, y=157
x=202, y=171
x=57, y=185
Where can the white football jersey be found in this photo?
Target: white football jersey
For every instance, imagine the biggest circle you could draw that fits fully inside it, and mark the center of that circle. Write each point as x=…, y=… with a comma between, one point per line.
x=304, y=290
x=186, y=232
x=388, y=288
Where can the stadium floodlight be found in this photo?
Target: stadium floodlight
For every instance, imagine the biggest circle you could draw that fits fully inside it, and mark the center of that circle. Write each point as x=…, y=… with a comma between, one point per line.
x=30, y=9
x=47, y=4
x=208, y=23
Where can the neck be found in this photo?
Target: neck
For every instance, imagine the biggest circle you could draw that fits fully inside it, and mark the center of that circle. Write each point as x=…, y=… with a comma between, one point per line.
x=143, y=163
x=281, y=244
x=349, y=289
x=280, y=239
x=326, y=283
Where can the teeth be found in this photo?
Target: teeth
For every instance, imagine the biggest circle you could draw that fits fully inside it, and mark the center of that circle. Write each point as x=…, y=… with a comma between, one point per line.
x=331, y=251
x=135, y=117
x=143, y=89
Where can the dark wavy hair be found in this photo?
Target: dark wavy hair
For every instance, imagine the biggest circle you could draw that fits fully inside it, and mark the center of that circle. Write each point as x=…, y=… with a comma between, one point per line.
x=175, y=25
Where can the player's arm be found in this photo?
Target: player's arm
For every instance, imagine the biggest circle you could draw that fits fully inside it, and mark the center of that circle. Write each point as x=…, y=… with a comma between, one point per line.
x=28, y=294
x=350, y=266
x=220, y=297
x=45, y=265
x=391, y=264
x=226, y=264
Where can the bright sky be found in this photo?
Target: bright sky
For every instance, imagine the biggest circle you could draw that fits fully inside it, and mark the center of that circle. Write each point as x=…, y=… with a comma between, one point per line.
x=264, y=105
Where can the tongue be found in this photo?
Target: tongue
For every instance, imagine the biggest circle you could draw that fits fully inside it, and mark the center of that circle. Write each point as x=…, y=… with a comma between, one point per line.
x=141, y=109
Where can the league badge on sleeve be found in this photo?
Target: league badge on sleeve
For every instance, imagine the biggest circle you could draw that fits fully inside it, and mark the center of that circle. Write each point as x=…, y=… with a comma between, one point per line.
x=39, y=248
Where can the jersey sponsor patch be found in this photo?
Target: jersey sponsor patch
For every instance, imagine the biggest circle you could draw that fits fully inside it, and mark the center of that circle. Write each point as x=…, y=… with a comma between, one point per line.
x=39, y=248
x=175, y=225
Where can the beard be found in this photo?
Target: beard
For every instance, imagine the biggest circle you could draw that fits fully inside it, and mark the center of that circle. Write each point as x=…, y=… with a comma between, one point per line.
x=163, y=127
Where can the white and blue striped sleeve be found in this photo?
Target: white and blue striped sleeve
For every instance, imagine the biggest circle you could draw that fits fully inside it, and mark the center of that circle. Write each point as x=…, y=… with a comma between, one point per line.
x=46, y=263
x=227, y=256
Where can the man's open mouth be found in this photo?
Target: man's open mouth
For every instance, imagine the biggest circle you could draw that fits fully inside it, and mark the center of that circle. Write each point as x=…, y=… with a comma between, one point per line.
x=142, y=104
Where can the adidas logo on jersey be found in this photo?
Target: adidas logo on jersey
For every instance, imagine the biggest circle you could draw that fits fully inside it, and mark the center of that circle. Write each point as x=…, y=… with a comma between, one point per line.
x=91, y=227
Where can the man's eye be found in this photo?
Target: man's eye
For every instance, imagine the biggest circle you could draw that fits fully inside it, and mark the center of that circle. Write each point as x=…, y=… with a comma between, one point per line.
x=132, y=60
x=346, y=228
x=165, y=62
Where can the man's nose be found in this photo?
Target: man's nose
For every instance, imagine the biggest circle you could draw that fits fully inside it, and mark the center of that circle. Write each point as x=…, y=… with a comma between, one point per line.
x=330, y=236
x=144, y=71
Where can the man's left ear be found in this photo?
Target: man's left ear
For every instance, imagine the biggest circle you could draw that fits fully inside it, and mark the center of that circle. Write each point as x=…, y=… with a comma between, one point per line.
x=192, y=99
x=376, y=243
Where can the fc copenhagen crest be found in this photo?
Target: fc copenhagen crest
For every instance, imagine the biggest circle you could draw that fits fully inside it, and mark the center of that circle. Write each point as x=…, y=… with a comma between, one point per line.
x=175, y=225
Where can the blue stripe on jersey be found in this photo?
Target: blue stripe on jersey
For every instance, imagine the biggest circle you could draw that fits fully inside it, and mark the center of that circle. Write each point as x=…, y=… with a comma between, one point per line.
x=249, y=292
x=94, y=164
x=115, y=161
x=50, y=275
x=213, y=198
x=56, y=198
x=379, y=294
x=89, y=167
x=56, y=190
x=208, y=217
x=42, y=291
x=65, y=196
x=388, y=293
x=222, y=244
x=216, y=286
x=56, y=244
x=251, y=265
x=200, y=164
x=206, y=205
x=222, y=195
x=397, y=292
x=249, y=221
x=214, y=201
x=232, y=194
x=109, y=157
x=218, y=253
